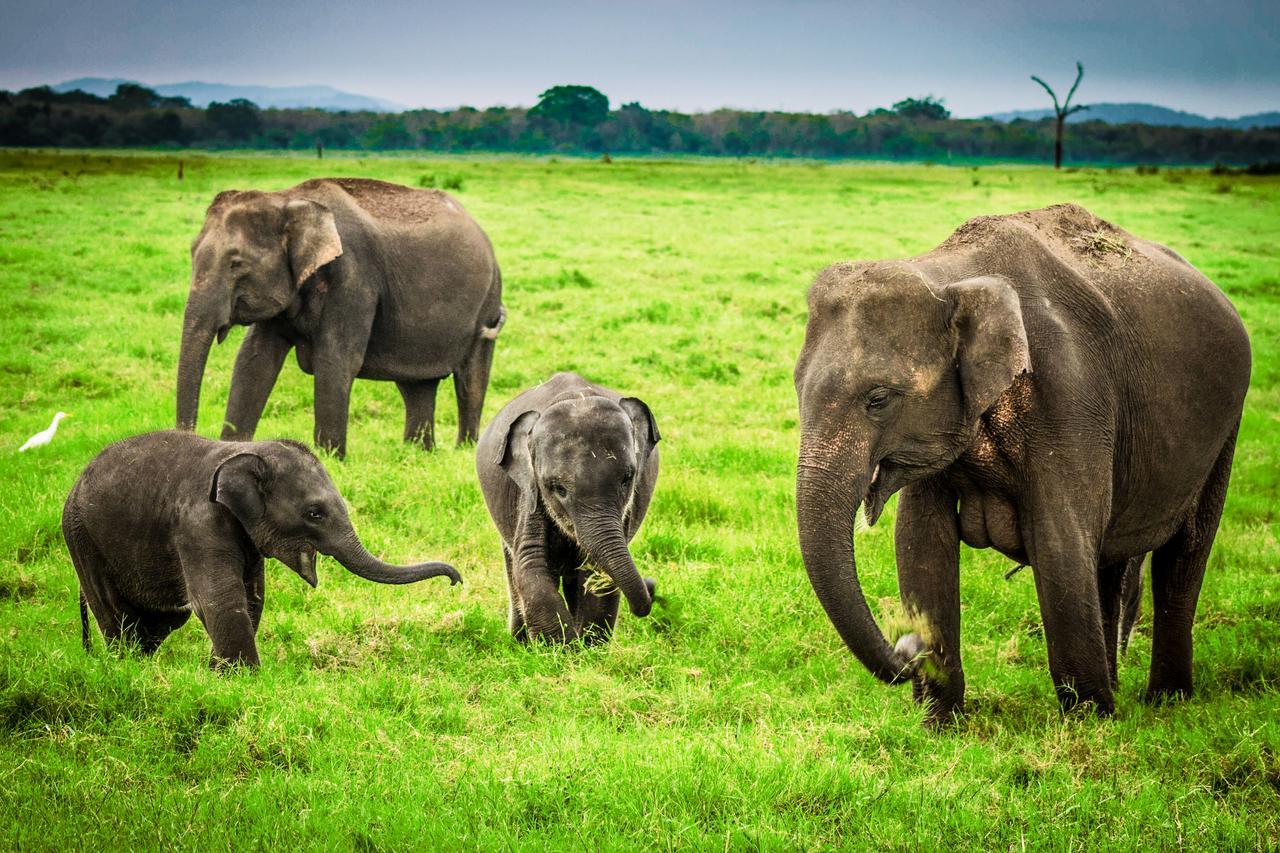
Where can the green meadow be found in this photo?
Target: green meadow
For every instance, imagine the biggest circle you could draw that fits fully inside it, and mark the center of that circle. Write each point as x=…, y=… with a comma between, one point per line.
x=733, y=718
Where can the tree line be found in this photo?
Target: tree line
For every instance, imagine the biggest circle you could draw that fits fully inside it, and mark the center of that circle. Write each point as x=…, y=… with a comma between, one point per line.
x=579, y=120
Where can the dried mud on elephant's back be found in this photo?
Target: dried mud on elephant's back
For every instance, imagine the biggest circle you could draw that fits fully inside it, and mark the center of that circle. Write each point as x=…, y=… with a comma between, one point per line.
x=393, y=201
x=1065, y=226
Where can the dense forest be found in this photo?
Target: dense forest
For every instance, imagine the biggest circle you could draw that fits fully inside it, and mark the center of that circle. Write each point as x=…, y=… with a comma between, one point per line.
x=578, y=119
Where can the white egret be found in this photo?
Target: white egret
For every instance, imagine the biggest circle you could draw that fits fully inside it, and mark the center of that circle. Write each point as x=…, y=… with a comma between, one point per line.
x=45, y=436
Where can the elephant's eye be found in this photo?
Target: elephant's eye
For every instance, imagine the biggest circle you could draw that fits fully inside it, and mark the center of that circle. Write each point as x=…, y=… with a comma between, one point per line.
x=627, y=477
x=315, y=513
x=558, y=489
x=878, y=398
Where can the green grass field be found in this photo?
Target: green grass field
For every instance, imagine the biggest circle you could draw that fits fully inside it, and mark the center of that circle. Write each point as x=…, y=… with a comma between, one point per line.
x=394, y=717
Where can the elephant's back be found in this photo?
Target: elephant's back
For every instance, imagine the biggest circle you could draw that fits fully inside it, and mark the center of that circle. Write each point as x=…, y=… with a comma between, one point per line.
x=126, y=499
x=137, y=471
x=439, y=284
x=384, y=201
x=1136, y=298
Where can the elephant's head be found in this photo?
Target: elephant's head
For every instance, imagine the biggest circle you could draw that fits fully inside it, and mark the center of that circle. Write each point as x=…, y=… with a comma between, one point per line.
x=291, y=510
x=247, y=264
x=581, y=460
x=894, y=375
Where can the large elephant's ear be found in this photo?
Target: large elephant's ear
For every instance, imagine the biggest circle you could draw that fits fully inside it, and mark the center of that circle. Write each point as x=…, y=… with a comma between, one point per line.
x=516, y=458
x=311, y=238
x=643, y=425
x=989, y=338
x=239, y=484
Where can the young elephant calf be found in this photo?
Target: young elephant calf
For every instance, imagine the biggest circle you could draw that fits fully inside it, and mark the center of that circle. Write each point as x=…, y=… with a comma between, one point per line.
x=568, y=469
x=165, y=524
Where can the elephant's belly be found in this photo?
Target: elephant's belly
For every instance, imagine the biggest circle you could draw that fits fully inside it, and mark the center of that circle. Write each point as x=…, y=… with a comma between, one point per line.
x=397, y=365
x=991, y=521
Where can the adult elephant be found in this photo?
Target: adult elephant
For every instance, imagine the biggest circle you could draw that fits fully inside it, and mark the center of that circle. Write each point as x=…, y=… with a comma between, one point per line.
x=1042, y=383
x=365, y=279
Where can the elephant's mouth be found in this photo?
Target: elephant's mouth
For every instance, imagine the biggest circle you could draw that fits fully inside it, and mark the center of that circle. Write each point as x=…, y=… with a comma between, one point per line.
x=303, y=562
x=886, y=478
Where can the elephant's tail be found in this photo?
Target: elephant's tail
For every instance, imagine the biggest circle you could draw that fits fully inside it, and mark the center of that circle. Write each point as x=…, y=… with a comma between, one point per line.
x=490, y=332
x=84, y=623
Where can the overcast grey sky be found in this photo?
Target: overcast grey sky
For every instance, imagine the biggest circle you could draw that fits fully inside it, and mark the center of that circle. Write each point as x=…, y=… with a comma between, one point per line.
x=1219, y=58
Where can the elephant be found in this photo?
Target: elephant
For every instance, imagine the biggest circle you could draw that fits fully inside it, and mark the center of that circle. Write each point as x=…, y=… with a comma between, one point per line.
x=364, y=279
x=1042, y=383
x=567, y=470
x=165, y=524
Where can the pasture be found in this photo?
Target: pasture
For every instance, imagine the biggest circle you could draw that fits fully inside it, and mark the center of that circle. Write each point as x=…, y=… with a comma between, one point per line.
x=395, y=717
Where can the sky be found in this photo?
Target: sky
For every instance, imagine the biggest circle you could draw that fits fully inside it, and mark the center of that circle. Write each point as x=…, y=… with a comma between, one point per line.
x=1220, y=58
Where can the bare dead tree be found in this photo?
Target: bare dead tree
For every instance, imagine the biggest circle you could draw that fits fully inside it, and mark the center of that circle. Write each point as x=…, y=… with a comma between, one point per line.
x=1062, y=111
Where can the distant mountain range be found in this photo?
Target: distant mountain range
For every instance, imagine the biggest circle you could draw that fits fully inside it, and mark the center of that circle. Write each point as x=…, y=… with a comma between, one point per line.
x=1147, y=114
x=329, y=98
x=282, y=97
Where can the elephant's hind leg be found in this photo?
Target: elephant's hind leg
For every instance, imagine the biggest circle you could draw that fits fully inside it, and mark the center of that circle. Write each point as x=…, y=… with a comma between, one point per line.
x=1115, y=588
x=96, y=591
x=1177, y=571
x=1130, y=602
x=470, y=382
x=151, y=629
x=420, y=411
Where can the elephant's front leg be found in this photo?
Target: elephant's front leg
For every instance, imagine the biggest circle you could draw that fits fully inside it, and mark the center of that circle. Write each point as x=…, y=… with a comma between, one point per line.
x=420, y=411
x=1062, y=538
x=515, y=616
x=216, y=585
x=335, y=371
x=338, y=354
x=546, y=616
x=257, y=366
x=927, y=546
x=595, y=613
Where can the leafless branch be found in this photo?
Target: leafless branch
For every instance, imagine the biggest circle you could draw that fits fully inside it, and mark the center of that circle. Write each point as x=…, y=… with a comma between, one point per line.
x=1050, y=91
x=1079, y=77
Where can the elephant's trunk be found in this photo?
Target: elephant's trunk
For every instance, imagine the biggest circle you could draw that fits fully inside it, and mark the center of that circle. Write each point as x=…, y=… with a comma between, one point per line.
x=353, y=556
x=606, y=548
x=200, y=323
x=826, y=501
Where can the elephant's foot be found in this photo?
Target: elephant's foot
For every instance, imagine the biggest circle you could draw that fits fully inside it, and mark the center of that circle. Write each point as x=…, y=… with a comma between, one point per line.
x=942, y=694
x=1164, y=695
x=1076, y=698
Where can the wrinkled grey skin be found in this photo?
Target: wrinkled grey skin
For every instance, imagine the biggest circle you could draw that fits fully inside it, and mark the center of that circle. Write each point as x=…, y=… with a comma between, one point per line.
x=167, y=524
x=364, y=279
x=1044, y=384
x=567, y=470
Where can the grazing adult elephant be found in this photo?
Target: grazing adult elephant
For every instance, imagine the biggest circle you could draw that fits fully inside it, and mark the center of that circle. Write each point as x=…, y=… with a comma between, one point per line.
x=365, y=279
x=1042, y=383
x=166, y=524
x=567, y=470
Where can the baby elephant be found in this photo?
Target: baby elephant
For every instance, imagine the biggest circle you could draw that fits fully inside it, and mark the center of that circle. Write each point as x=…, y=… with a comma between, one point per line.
x=165, y=524
x=583, y=458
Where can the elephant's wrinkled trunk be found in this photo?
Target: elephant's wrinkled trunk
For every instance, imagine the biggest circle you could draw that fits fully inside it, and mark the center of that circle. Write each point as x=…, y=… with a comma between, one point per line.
x=826, y=502
x=200, y=323
x=606, y=548
x=353, y=556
